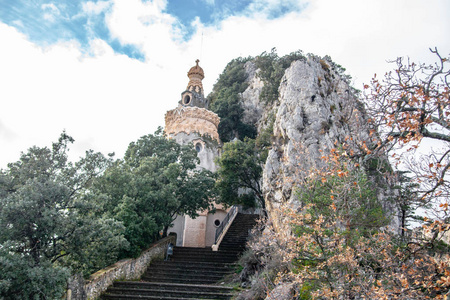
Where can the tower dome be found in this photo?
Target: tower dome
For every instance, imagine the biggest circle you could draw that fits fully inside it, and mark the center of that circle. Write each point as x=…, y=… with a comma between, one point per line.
x=196, y=70
x=196, y=76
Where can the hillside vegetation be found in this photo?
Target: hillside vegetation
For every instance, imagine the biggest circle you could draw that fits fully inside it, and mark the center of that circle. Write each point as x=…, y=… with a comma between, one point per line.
x=338, y=209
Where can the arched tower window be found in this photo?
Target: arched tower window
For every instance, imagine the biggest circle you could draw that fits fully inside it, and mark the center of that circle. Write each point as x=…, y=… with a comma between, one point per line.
x=187, y=99
x=198, y=147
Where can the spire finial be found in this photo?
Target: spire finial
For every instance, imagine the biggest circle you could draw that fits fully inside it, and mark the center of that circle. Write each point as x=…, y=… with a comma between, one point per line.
x=196, y=76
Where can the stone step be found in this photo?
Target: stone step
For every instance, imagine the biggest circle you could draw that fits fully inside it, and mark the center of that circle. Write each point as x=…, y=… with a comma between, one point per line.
x=108, y=296
x=198, y=250
x=180, y=275
x=159, y=290
x=209, y=258
x=168, y=293
x=206, y=257
x=211, y=253
x=220, y=260
x=200, y=264
x=186, y=272
x=188, y=266
x=172, y=286
x=189, y=249
x=242, y=244
x=240, y=248
x=184, y=280
x=131, y=297
x=236, y=235
x=234, y=243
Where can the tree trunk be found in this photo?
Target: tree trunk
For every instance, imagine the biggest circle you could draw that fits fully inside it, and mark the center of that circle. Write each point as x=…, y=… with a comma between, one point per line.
x=166, y=228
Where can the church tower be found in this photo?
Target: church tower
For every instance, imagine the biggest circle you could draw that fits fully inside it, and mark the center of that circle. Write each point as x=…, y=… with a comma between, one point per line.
x=193, y=123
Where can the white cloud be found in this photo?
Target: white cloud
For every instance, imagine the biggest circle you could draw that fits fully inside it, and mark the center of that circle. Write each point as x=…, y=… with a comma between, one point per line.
x=105, y=100
x=360, y=35
x=136, y=22
x=209, y=2
x=268, y=7
x=51, y=12
x=95, y=7
x=18, y=23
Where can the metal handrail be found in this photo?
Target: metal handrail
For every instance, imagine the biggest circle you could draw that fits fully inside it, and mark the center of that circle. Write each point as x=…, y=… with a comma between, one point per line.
x=225, y=222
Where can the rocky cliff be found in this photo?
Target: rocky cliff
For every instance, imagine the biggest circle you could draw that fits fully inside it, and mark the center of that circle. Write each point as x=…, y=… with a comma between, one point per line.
x=316, y=110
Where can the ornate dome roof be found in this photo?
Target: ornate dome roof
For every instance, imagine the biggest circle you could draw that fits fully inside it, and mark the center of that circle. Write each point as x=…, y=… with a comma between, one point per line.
x=196, y=76
x=196, y=70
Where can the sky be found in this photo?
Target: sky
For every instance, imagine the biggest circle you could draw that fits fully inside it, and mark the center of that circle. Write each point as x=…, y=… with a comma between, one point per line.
x=107, y=71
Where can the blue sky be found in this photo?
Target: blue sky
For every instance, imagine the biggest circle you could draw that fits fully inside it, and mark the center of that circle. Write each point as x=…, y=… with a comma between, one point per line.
x=107, y=71
x=46, y=22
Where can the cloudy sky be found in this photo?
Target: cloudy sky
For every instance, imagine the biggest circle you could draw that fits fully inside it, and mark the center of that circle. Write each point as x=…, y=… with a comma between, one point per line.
x=107, y=71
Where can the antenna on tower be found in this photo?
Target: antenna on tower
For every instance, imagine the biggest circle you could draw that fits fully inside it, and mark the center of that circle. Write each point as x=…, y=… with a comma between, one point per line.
x=201, y=46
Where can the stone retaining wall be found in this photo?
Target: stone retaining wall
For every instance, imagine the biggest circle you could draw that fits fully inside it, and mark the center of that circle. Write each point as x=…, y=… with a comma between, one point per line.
x=127, y=269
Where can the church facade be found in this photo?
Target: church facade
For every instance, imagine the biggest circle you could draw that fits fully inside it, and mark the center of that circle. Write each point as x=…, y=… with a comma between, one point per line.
x=193, y=123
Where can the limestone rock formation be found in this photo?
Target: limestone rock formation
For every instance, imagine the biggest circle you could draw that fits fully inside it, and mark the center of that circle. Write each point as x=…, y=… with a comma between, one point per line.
x=316, y=110
x=253, y=108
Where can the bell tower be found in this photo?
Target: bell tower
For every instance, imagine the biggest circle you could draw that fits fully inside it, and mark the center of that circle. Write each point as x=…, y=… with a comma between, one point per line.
x=194, y=95
x=192, y=123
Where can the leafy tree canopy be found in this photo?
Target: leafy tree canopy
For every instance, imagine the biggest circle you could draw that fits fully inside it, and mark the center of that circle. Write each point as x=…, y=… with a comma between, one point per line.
x=225, y=100
x=157, y=180
x=48, y=224
x=271, y=70
x=240, y=171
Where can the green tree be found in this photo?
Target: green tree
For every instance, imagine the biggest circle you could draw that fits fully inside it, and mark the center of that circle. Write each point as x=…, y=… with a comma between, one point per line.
x=48, y=223
x=240, y=171
x=157, y=180
x=21, y=278
x=347, y=194
x=271, y=70
x=406, y=200
x=225, y=100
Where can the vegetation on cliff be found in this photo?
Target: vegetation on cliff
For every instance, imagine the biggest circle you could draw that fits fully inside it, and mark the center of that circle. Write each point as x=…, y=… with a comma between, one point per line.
x=271, y=70
x=336, y=244
x=225, y=100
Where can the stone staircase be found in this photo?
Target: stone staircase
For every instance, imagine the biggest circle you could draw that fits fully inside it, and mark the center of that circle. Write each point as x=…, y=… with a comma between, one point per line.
x=236, y=236
x=191, y=273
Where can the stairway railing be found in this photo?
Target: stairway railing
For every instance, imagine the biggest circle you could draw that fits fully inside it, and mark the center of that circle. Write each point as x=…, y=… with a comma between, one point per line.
x=223, y=227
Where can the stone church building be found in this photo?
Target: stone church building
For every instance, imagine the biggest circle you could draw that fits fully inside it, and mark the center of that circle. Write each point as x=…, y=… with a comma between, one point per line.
x=193, y=123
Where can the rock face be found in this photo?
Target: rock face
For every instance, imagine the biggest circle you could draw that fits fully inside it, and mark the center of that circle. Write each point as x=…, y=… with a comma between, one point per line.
x=253, y=108
x=316, y=110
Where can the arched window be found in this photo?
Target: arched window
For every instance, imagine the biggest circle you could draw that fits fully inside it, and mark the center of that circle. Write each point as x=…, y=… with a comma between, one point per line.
x=198, y=147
